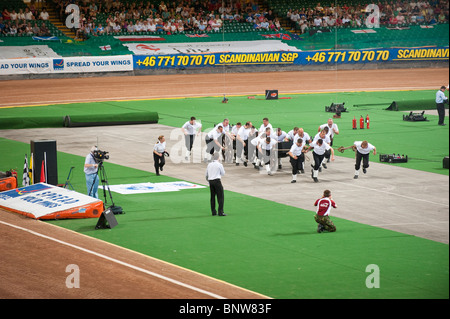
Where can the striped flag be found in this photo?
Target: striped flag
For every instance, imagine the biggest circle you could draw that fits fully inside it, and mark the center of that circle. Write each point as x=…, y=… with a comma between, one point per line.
x=25, y=176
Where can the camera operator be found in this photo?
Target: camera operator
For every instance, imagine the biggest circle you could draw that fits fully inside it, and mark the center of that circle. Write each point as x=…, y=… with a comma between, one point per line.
x=91, y=169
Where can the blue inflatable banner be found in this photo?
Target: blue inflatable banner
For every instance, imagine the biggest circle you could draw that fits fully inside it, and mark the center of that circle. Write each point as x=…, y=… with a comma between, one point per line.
x=149, y=62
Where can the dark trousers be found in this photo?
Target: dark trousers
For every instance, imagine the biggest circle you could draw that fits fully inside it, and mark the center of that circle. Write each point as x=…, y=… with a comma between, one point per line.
x=189, y=141
x=317, y=160
x=216, y=190
x=297, y=164
x=160, y=161
x=364, y=158
x=441, y=112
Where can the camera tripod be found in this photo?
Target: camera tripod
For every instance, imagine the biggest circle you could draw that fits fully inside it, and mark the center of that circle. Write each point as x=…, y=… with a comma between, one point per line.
x=101, y=174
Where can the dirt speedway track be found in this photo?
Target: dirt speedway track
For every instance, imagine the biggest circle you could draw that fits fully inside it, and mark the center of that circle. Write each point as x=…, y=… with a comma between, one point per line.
x=41, y=272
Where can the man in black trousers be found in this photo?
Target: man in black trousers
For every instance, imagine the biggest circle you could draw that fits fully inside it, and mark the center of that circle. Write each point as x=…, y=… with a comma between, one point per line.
x=214, y=173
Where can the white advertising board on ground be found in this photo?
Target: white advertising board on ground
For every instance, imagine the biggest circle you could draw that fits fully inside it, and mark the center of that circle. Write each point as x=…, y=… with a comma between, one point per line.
x=44, y=201
x=142, y=188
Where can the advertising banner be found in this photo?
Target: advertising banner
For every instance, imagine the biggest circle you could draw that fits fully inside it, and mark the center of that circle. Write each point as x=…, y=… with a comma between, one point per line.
x=44, y=201
x=325, y=57
x=67, y=65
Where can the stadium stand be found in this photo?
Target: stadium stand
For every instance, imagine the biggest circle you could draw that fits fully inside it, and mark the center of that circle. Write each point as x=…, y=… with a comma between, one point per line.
x=320, y=25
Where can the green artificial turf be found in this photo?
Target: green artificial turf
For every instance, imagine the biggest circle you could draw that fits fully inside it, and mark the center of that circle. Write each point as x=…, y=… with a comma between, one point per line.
x=261, y=245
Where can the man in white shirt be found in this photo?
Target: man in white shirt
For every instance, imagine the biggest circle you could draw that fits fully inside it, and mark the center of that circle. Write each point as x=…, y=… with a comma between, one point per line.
x=213, y=141
x=297, y=158
x=362, y=149
x=214, y=173
x=323, y=134
x=332, y=129
x=265, y=148
x=266, y=124
x=320, y=147
x=242, y=143
x=441, y=99
x=190, y=129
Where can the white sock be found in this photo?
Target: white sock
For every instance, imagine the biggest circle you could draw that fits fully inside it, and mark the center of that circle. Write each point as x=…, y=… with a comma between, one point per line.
x=294, y=177
x=356, y=172
x=315, y=173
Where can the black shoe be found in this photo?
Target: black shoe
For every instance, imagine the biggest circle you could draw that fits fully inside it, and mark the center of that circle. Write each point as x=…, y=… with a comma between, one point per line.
x=355, y=177
x=302, y=171
x=237, y=164
x=315, y=180
x=157, y=174
x=279, y=166
x=245, y=164
x=443, y=124
x=320, y=228
x=324, y=165
x=223, y=214
x=320, y=168
x=214, y=214
x=161, y=168
x=293, y=181
x=364, y=170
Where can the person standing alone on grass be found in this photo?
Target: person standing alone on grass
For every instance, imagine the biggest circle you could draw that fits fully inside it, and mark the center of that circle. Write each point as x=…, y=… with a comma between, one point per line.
x=322, y=216
x=158, y=154
x=441, y=99
x=214, y=173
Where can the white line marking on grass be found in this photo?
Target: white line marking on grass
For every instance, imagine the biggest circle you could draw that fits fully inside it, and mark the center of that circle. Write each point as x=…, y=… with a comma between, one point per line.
x=179, y=283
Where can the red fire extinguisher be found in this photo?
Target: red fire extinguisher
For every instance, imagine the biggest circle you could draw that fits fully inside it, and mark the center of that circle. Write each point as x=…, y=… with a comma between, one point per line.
x=367, y=121
x=354, y=123
x=361, y=122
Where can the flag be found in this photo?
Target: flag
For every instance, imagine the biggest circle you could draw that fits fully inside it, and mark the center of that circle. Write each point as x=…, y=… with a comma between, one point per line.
x=364, y=31
x=25, y=176
x=31, y=170
x=282, y=36
x=105, y=47
x=196, y=35
x=138, y=38
x=42, y=173
x=46, y=38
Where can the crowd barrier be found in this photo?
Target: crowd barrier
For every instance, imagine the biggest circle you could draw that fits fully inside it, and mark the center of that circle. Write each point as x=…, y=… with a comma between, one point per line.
x=187, y=61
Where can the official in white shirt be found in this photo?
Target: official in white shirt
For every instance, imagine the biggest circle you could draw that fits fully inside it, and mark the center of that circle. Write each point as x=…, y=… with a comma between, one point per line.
x=363, y=149
x=190, y=129
x=158, y=154
x=214, y=173
x=320, y=147
x=441, y=99
x=297, y=158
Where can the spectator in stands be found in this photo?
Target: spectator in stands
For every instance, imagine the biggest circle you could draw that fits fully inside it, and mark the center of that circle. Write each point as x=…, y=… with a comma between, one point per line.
x=43, y=30
x=13, y=15
x=44, y=14
x=28, y=14
x=2, y=25
x=21, y=15
x=6, y=15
